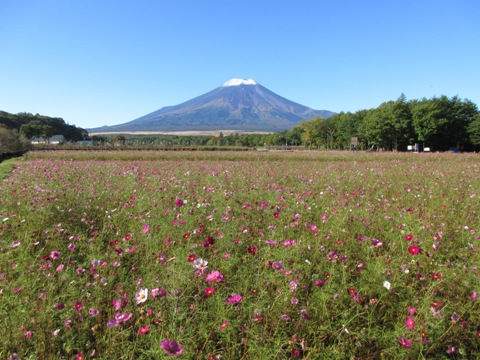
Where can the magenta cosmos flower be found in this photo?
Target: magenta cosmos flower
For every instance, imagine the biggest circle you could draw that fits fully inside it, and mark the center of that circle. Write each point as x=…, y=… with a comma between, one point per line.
x=234, y=299
x=209, y=291
x=414, y=250
x=410, y=323
x=407, y=344
x=171, y=347
x=78, y=306
x=178, y=202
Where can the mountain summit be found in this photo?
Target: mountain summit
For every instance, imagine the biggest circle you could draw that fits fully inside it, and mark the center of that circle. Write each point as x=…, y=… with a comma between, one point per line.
x=239, y=104
x=237, y=82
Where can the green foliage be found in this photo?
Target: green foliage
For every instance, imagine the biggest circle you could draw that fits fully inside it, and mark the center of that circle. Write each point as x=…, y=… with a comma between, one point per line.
x=41, y=126
x=11, y=142
x=442, y=122
x=474, y=130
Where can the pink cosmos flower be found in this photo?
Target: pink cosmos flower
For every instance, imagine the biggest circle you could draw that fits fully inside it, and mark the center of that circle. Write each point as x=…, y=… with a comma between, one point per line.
x=450, y=350
x=376, y=243
x=474, y=295
x=234, y=299
x=55, y=255
x=411, y=310
x=293, y=285
x=117, y=305
x=118, y=319
x=410, y=323
x=143, y=330
x=215, y=276
x=278, y=265
x=15, y=244
x=158, y=292
x=145, y=228
x=171, y=347
x=224, y=325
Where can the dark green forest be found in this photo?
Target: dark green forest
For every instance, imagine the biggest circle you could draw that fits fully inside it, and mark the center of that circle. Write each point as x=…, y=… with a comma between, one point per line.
x=41, y=126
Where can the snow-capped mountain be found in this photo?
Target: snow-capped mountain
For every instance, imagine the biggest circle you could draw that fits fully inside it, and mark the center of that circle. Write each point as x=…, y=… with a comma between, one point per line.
x=239, y=104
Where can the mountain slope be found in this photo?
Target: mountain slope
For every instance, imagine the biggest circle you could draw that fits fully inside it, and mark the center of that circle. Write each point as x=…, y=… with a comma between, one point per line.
x=239, y=104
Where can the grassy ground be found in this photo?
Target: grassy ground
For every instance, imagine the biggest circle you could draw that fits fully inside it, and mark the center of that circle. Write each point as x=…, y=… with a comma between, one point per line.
x=6, y=167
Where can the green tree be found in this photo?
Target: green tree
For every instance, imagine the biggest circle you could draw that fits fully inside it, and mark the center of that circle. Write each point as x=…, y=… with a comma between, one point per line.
x=347, y=126
x=12, y=142
x=390, y=125
x=47, y=131
x=315, y=132
x=31, y=130
x=442, y=122
x=474, y=131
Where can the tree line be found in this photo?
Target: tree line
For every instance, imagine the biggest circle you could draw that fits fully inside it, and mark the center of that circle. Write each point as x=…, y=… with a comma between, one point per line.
x=440, y=123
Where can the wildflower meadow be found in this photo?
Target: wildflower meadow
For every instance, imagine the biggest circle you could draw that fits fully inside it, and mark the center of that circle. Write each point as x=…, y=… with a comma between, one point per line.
x=197, y=255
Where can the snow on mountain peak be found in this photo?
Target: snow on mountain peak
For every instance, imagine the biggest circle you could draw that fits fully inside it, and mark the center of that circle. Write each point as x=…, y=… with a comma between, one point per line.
x=237, y=82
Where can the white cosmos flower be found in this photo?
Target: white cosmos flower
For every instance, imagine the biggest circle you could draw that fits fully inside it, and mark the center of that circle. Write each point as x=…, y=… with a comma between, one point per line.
x=200, y=264
x=141, y=296
x=387, y=285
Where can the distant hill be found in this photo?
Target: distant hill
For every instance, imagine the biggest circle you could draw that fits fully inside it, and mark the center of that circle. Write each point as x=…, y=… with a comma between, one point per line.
x=239, y=104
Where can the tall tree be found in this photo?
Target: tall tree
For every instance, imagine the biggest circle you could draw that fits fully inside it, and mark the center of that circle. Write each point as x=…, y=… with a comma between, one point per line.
x=442, y=122
x=474, y=131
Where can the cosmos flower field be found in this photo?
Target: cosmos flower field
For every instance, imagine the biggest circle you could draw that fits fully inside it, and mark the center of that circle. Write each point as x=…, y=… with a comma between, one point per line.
x=147, y=255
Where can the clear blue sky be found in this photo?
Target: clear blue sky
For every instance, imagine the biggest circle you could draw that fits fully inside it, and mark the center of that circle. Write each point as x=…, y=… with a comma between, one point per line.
x=106, y=62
